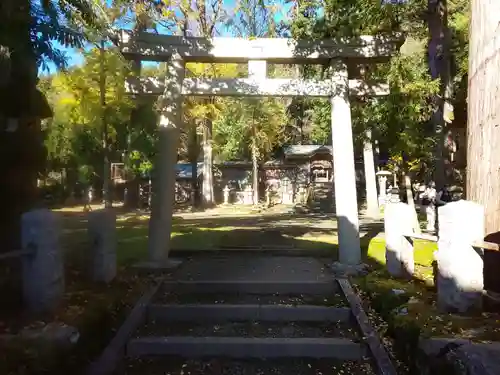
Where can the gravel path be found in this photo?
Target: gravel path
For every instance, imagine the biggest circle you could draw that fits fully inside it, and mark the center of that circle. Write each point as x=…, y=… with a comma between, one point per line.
x=251, y=329
x=335, y=300
x=174, y=366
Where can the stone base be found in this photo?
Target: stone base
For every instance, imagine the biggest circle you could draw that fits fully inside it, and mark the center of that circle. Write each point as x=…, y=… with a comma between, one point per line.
x=459, y=356
x=152, y=266
x=346, y=270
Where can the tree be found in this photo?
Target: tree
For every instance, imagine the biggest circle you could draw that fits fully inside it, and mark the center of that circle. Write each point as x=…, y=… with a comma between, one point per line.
x=27, y=32
x=483, y=136
x=250, y=131
x=198, y=19
x=252, y=19
x=143, y=15
x=74, y=136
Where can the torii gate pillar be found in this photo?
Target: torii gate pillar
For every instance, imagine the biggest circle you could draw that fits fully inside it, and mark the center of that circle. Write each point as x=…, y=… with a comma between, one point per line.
x=346, y=204
x=163, y=200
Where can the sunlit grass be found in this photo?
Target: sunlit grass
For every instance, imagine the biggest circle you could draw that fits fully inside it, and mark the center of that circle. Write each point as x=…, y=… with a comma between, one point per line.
x=132, y=234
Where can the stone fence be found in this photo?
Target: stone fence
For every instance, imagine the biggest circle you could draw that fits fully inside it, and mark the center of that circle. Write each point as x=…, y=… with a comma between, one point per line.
x=459, y=258
x=42, y=258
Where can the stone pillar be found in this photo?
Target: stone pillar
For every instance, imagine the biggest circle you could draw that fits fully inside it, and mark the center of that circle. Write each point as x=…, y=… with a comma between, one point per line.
x=460, y=266
x=286, y=191
x=160, y=224
x=370, y=178
x=344, y=171
x=43, y=271
x=398, y=220
x=268, y=196
x=382, y=183
x=248, y=195
x=302, y=194
x=102, y=254
x=226, y=192
x=430, y=212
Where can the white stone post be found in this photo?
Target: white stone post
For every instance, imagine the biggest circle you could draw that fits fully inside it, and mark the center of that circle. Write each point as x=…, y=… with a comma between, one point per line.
x=302, y=194
x=398, y=221
x=268, y=196
x=460, y=266
x=102, y=252
x=286, y=191
x=160, y=224
x=370, y=178
x=345, y=175
x=430, y=212
x=382, y=183
x=43, y=271
x=248, y=195
x=226, y=192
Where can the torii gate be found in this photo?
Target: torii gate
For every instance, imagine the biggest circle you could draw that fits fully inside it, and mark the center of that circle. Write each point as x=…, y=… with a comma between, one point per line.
x=175, y=51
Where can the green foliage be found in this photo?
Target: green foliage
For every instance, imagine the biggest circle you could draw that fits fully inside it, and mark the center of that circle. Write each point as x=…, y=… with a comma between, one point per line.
x=399, y=121
x=242, y=126
x=73, y=136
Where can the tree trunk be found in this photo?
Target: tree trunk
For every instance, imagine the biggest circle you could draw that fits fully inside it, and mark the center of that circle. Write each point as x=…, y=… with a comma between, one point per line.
x=370, y=177
x=21, y=141
x=483, y=135
x=439, y=65
x=132, y=200
x=255, y=174
x=193, y=159
x=376, y=155
x=106, y=185
x=208, y=185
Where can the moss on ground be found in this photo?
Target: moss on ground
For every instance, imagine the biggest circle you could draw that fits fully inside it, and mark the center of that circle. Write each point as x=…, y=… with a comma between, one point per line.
x=413, y=314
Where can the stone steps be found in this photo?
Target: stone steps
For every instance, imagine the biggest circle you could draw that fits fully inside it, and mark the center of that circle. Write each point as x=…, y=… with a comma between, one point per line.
x=227, y=366
x=247, y=347
x=323, y=201
x=270, y=320
x=263, y=313
x=224, y=326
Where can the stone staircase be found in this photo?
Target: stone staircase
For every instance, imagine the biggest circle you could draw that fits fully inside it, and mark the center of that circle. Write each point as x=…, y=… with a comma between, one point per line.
x=281, y=315
x=323, y=198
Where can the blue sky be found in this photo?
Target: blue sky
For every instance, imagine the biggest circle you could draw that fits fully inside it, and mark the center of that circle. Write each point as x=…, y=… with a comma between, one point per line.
x=74, y=57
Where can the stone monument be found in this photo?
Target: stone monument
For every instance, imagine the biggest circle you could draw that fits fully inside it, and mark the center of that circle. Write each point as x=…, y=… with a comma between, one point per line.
x=398, y=222
x=286, y=191
x=460, y=265
x=248, y=195
x=43, y=271
x=102, y=238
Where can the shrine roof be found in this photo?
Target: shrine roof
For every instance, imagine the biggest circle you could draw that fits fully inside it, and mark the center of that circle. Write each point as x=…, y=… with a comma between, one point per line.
x=306, y=150
x=185, y=170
